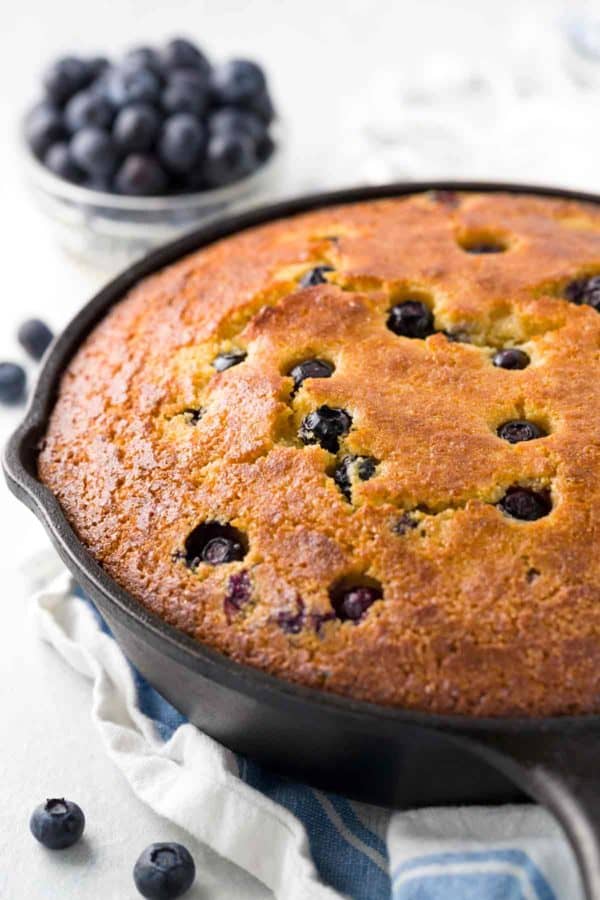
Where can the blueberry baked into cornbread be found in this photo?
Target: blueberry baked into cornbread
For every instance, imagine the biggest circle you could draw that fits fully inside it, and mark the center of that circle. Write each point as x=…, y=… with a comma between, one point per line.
x=360, y=449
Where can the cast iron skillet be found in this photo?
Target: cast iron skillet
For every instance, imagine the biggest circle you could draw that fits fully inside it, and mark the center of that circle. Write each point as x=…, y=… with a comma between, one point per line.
x=387, y=756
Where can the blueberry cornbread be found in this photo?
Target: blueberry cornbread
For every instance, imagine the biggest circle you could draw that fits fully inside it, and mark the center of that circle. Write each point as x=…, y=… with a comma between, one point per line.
x=360, y=449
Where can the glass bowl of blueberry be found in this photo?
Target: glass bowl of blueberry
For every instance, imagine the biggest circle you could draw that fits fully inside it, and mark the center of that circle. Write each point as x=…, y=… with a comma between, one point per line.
x=126, y=155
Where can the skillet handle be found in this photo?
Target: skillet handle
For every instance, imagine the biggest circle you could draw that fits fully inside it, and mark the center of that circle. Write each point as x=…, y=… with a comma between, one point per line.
x=562, y=772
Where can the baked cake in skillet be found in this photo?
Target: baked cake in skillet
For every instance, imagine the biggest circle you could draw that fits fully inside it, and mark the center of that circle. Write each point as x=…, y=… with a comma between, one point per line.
x=360, y=449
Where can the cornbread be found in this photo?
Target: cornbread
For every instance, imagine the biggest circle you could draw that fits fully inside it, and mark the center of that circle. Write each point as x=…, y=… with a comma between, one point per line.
x=360, y=449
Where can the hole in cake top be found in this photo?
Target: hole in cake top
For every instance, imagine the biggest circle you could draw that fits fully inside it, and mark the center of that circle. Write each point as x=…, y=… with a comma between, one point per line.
x=511, y=358
x=411, y=319
x=584, y=292
x=517, y=430
x=226, y=360
x=214, y=543
x=353, y=468
x=351, y=599
x=525, y=503
x=192, y=416
x=325, y=426
x=315, y=276
x=311, y=368
x=481, y=243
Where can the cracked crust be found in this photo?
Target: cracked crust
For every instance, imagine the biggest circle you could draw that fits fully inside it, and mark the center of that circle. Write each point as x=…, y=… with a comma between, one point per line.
x=481, y=614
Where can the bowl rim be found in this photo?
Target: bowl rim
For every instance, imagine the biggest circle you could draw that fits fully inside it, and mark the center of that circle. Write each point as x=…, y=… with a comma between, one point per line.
x=19, y=463
x=61, y=189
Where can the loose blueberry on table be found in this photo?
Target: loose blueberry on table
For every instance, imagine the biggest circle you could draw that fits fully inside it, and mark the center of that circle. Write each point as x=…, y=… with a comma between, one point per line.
x=157, y=122
x=57, y=823
x=35, y=337
x=12, y=382
x=164, y=871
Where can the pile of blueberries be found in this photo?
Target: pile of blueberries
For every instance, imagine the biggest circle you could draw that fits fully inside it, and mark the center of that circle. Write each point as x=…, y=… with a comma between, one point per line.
x=162, y=872
x=160, y=121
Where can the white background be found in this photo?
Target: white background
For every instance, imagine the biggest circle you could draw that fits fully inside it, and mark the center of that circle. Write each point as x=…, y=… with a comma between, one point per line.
x=324, y=59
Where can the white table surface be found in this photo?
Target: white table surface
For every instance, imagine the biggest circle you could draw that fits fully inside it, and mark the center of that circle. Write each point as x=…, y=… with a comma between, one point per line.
x=320, y=56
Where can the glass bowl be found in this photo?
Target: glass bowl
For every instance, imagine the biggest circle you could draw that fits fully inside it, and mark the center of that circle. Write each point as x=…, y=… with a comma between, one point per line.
x=110, y=231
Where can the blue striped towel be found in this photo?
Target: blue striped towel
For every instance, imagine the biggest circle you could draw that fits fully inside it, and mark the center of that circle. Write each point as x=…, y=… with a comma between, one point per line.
x=302, y=843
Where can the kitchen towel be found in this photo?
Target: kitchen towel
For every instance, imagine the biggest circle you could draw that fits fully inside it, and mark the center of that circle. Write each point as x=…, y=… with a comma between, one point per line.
x=302, y=843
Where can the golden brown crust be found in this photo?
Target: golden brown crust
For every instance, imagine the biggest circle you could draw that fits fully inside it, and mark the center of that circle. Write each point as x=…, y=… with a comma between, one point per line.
x=481, y=613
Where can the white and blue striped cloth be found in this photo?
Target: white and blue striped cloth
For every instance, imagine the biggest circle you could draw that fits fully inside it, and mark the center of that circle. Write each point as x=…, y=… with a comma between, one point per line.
x=303, y=844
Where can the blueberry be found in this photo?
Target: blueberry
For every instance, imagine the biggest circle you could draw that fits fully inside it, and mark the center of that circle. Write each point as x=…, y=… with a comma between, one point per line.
x=94, y=151
x=292, y=621
x=511, y=358
x=517, y=430
x=363, y=468
x=239, y=593
x=411, y=319
x=136, y=128
x=265, y=148
x=405, y=523
x=164, y=871
x=97, y=65
x=88, y=108
x=193, y=416
x=59, y=160
x=35, y=337
x=132, y=85
x=325, y=426
x=227, y=360
x=181, y=53
x=98, y=183
x=352, y=603
x=65, y=77
x=57, y=823
x=315, y=276
x=215, y=544
x=237, y=82
x=143, y=58
x=311, y=368
x=228, y=158
x=483, y=247
x=182, y=143
x=262, y=105
x=44, y=126
x=184, y=94
x=525, y=503
x=141, y=175
x=585, y=291
x=12, y=382
x=230, y=120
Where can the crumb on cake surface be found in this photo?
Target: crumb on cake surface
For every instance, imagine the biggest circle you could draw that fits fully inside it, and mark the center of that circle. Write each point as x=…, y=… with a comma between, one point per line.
x=322, y=482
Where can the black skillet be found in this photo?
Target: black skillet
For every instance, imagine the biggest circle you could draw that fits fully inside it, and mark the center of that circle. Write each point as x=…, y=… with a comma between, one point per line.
x=388, y=756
